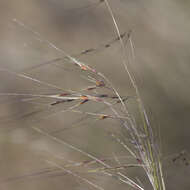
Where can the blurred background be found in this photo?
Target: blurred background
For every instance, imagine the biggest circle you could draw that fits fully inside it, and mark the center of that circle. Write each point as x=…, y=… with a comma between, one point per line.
x=160, y=33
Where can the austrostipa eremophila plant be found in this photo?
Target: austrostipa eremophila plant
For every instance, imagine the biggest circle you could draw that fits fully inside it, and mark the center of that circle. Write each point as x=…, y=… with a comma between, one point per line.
x=138, y=139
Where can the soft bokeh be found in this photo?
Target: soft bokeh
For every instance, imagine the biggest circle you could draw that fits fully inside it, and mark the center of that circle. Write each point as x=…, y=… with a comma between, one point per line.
x=160, y=33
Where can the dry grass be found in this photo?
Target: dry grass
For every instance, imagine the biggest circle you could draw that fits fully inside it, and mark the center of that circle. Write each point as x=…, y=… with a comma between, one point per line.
x=138, y=139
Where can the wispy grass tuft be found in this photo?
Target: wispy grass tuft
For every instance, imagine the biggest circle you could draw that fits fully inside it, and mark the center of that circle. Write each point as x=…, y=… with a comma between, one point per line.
x=140, y=140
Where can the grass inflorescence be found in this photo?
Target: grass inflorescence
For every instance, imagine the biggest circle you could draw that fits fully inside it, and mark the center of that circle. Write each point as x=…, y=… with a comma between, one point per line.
x=139, y=142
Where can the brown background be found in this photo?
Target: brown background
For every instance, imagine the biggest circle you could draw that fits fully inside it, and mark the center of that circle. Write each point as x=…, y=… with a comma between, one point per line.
x=161, y=36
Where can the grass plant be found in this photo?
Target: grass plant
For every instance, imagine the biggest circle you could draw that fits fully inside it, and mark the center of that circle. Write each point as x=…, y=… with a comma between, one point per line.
x=139, y=141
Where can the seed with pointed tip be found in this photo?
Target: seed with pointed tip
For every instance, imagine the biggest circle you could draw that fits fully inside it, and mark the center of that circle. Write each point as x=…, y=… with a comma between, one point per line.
x=104, y=116
x=100, y=83
x=84, y=101
x=84, y=98
x=84, y=68
x=64, y=94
